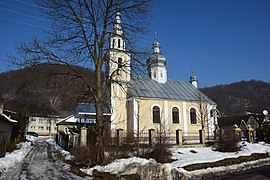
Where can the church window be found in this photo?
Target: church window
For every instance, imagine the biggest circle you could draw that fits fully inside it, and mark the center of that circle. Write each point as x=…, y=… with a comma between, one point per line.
x=161, y=74
x=113, y=43
x=120, y=63
x=175, y=115
x=156, y=114
x=155, y=74
x=119, y=43
x=193, y=119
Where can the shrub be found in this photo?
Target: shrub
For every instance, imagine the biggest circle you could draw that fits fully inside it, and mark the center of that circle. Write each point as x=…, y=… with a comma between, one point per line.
x=84, y=156
x=160, y=153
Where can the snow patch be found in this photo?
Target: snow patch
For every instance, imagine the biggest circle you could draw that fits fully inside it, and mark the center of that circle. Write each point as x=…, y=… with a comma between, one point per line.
x=14, y=157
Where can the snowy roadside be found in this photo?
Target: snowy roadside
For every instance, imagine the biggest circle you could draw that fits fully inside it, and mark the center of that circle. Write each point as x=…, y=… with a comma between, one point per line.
x=11, y=159
x=183, y=157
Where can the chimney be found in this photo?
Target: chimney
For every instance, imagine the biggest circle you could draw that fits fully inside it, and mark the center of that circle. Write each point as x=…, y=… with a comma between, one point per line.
x=2, y=106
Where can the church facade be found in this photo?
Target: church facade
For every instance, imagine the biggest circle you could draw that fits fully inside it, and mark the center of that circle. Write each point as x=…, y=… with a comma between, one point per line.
x=140, y=103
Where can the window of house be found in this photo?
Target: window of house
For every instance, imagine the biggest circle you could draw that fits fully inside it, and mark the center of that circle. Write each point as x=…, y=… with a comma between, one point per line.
x=120, y=63
x=193, y=119
x=175, y=115
x=48, y=128
x=40, y=128
x=156, y=114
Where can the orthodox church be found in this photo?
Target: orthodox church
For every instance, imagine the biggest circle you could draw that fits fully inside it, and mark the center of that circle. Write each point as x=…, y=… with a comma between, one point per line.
x=140, y=103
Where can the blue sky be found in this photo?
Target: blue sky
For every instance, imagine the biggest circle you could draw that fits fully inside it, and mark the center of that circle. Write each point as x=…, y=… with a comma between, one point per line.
x=223, y=41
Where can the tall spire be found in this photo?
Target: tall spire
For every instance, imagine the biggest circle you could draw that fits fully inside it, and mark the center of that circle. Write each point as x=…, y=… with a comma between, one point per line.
x=118, y=25
x=117, y=36
x=156, y=46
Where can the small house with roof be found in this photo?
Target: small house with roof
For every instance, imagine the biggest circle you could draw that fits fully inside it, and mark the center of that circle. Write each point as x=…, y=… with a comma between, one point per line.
x=69, y=129
x=8, y=128
x=140, y=103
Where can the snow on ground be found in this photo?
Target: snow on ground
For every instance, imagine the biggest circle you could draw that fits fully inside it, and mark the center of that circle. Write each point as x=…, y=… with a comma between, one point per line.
x=184, y=157
x=15, y=157
x=118, y=165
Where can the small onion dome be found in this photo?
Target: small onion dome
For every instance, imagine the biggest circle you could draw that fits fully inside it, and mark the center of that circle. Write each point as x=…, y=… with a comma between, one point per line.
x=156, y=59
x=193, y=77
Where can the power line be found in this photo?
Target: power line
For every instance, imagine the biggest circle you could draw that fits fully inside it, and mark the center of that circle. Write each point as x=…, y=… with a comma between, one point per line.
x=24, y=14
x=145, y=42
x=21, y=22
x=34, y=5
x=20, y=7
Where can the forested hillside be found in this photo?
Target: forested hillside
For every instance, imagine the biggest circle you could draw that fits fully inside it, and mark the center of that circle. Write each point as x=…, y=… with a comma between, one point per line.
x=43, y=89
x=240, y=97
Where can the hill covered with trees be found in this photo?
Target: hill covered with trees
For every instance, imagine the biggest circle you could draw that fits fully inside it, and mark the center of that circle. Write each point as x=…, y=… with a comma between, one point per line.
x=43, y=89
x=241, y=97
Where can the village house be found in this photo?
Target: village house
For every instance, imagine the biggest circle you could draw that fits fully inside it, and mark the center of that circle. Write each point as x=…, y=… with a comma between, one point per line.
x=43, y=125
x=249, y=122
x=8, y=128
x=69, y=128
x=143, y=103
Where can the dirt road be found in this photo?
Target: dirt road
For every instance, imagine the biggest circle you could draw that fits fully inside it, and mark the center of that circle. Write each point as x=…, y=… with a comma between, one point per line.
x=40, y=163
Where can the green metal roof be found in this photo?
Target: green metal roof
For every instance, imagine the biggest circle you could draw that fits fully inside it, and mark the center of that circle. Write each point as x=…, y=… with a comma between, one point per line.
x=172, y=89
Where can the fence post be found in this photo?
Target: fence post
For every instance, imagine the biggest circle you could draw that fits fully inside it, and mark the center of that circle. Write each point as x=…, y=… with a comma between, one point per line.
x=238, y=133
x=83, y=141
x=151, y=137
x=179, y=137
x=119, y=134
x=202, y=136
x=250, y=135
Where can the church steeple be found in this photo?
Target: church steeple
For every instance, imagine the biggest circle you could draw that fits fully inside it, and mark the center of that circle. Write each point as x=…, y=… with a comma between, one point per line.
x=193, y=80
x=156, y=46
x=118, y=66
x=117, y=36
x=157, y=64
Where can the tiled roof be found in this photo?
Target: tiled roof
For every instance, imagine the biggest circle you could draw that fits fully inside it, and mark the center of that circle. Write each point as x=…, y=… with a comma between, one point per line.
x=172, y=89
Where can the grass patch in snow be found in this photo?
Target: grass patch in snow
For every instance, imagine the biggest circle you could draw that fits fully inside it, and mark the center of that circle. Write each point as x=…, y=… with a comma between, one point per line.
x=226, y=162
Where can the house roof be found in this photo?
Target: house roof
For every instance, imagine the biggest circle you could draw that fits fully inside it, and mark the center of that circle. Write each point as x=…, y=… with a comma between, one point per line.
x=75, y=120
x=171, y=89
x=90, y=109
x=226, y=121
x=7, y=118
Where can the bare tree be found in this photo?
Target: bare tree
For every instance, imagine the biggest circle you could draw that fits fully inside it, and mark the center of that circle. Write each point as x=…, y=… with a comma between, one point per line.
x=203, y=110
x=79, y=36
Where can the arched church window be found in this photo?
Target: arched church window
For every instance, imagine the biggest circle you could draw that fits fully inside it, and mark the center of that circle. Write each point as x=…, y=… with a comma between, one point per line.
x=156, y=114
x=119, y=43
x=161, y=74
x=155, y=74
x=120, y=63
x=175, y=115
x=193, y=119
x=113, y=43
